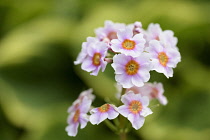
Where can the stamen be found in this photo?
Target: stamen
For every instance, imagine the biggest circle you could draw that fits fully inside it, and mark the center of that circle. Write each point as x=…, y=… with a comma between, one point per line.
x=104, y=108
x=132, y=67
x=128, y=44
x=135, y=107
x=163, y=58
x=96, y=59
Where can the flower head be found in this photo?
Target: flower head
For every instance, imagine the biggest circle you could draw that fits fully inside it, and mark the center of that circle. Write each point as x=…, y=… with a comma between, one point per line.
x=152, y=91
x=94, y=61
x=83, y=54
x=135, y=108
x=153, y=32
x=128, y=44
x=101, y=113
x=86, y=93
x=131, y=71
x=163, y=58
x=78, y=117
x=168, y=39
x=109, y=31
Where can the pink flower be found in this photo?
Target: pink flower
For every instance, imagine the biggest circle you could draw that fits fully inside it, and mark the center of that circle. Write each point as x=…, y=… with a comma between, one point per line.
x=101, y=113
x=78, y=116
x=94, y=61
x=86, y=93
x=131, y=71
x=127, y=43
x=153, y=32
x=166, y=37
x=152, y=91
x=163, y=58
x=83, y=54
x=109, y=31
x=135, y=108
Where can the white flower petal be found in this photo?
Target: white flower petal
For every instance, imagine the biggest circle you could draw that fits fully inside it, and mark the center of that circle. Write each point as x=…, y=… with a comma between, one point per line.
x=145, y=112
x=94, y=118
x=137, y=121
x=112, y=113
x=83, y=120
x=123, y=110
x=72, y=129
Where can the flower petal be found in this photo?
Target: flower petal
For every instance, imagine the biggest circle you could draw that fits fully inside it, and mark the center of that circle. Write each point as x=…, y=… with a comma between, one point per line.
x=72, y=129
x=145, y=112
x=136, y=120
x=123, y=110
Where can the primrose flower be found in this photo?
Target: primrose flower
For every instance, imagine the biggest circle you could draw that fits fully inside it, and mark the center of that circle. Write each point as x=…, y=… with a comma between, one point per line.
x=168, y=39
x=109, y=31
x=131, y=71
x=86, y=93
x=153, y=32
x=163, y=58
x=135, y=108
x=152, y=91
x=78, y=117
x=83, y=54
x=94, y=61
x=127, y=43
x=101, y=113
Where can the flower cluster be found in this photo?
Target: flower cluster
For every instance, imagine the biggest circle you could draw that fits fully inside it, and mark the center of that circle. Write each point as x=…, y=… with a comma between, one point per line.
x=132, y=52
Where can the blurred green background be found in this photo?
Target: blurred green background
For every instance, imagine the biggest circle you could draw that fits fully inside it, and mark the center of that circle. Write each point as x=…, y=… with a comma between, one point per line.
x=40, y=39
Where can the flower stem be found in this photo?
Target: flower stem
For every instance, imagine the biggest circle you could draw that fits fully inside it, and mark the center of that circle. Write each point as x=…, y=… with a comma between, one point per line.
x=122, y=120
x=123, y=136
x=123, y=91
x=110, y=125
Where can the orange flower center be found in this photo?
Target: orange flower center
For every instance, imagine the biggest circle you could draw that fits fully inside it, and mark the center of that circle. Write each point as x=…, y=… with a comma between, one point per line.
x=135, y=107
x=163, y=58
x=76, y=115
x=104, y=108
x=96, y=59
x=132, y=67
x=128, y=44
x=112, y=35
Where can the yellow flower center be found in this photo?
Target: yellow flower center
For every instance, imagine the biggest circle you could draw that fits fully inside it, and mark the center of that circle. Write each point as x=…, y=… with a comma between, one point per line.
x=112, y=35
x=104, y=108
x=132, y=67
x=163, y=58
x=135, y=107
x=128, y=44
x=76, y=115
x=96, y=59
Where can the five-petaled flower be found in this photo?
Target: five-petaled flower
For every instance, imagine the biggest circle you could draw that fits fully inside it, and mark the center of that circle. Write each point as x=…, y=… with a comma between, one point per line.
x=128, y=44
x=78, y=116
x=85, y=93
x=94, y=61
x=135, y=108
x=163, y=58
x=101, y=113
x=151, y=90
x=131, y=71
x=109, y=31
